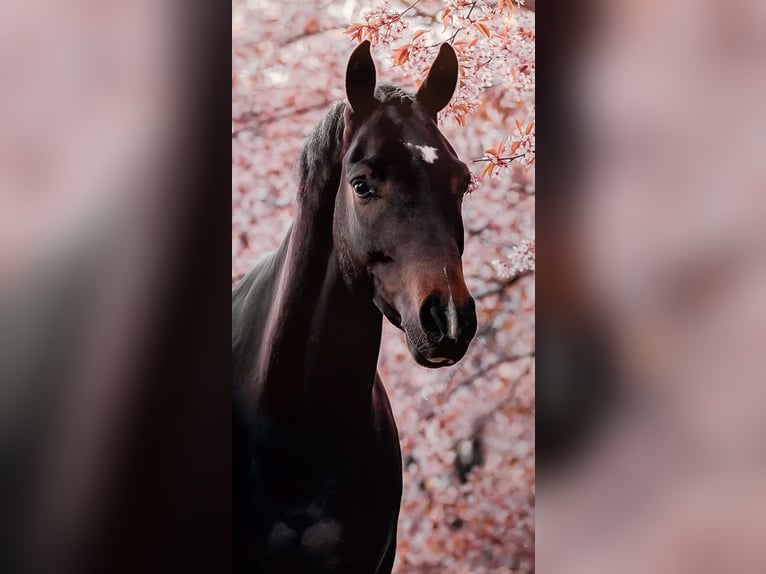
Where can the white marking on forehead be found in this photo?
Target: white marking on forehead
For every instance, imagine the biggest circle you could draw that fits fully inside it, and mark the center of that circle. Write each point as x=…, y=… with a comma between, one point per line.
x=451, y=311
x=427, y=152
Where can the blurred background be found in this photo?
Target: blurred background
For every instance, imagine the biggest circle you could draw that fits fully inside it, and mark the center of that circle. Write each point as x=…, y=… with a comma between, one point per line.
x=467, y=432
x=655, y=414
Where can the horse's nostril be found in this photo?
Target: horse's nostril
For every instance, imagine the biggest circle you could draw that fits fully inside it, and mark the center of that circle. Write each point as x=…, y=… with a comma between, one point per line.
x=449, y=328
x=433, y=319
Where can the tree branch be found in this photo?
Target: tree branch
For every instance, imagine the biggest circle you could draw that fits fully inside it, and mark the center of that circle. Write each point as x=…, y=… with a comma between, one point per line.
x=274, y=118
x=410, y=7
x=452, y=388
x=468, y=17
x=304, y=35
x=503, y=285
x=503, y=159
x=481, y=421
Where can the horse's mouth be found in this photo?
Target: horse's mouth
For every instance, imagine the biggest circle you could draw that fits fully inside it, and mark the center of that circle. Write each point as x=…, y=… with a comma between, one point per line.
x=431, y=363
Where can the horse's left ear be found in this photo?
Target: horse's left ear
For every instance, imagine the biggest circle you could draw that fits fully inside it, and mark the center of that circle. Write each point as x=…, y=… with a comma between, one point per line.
x=360, y=80
x=438, y=87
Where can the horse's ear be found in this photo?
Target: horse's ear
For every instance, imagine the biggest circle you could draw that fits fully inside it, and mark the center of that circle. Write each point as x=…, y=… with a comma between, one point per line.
x=360, y=80
x=438, y=87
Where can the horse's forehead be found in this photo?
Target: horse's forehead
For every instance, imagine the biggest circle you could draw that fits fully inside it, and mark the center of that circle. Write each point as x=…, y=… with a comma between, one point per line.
x=413, y=131
x=418, y=133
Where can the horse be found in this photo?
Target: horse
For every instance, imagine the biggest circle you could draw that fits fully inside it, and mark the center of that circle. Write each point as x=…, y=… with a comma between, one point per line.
x=377, y=232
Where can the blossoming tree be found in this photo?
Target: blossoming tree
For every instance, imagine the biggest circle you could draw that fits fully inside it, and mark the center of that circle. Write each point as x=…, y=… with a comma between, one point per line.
x=467, y=432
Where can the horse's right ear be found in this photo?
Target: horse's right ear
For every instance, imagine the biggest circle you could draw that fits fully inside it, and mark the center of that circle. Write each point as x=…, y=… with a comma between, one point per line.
x=360, y=80
x=437, y=89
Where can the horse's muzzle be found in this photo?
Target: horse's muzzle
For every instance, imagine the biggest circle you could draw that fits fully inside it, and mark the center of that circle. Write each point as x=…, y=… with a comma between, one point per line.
x=448, y=329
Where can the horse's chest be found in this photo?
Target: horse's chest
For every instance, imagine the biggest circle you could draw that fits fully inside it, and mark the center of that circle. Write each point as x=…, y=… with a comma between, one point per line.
x=309, y=530
x=320, y=501
x=317, y=546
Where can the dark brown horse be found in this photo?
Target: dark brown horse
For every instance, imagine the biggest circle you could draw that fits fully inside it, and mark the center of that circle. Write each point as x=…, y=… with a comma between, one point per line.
x=377, y=231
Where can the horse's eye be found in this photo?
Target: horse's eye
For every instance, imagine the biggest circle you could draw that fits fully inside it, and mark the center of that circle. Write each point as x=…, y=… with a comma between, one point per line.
x=360, y=187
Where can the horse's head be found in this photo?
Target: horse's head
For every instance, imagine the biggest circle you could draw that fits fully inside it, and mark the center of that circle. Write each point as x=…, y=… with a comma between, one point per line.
x=398, y=223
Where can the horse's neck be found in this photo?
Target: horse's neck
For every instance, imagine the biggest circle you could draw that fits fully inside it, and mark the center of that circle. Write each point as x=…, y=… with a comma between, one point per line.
x=305, y=255
x=344, y=346
x=328, y=363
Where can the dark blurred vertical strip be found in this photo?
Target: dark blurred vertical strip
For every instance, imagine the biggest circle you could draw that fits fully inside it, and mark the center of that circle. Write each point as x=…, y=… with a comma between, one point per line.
x=170, y=506
x=572, y=384
x=116, y=346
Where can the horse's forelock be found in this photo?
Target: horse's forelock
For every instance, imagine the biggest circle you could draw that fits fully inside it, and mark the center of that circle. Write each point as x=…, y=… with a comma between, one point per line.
x=388, y=94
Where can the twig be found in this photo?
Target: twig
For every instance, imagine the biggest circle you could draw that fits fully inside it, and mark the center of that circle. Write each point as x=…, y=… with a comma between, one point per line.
x=445, y=395
x=506, y=159
x=274, y=118
x=450, y=390
x=481, y=421
x=468, y=17
x=395, y=19
x=410, y=7
x=304, y=35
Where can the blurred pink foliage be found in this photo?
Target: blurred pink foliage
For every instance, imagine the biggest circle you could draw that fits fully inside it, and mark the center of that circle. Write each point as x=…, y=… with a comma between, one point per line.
x=467, y=432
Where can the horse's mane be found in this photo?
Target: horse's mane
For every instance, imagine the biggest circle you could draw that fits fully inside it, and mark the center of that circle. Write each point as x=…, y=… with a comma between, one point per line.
x=323, y=146
x=321, y=152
